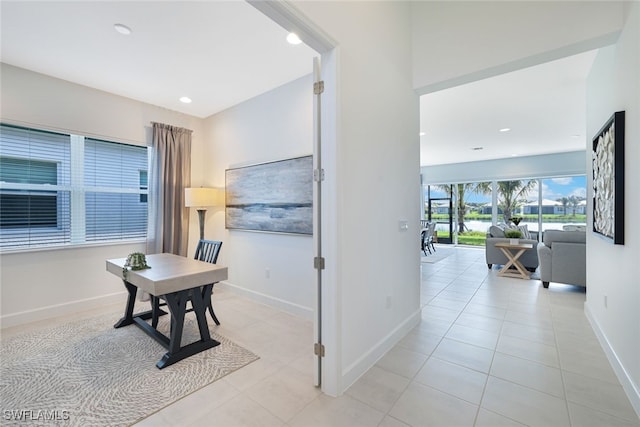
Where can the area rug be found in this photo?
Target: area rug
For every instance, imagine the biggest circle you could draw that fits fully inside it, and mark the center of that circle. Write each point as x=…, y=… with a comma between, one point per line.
x=439, y=254
x=86, y=373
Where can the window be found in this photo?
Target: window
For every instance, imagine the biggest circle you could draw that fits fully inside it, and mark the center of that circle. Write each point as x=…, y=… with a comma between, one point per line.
x=540, y=204
x=58, y=189
x=28, y=208
x=144, y=185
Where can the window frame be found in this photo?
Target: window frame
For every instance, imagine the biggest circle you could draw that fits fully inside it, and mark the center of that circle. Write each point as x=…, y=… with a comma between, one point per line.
x=74, y=212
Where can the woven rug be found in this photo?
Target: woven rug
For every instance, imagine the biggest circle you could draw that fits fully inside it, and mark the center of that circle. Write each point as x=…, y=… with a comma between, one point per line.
x=87, y=373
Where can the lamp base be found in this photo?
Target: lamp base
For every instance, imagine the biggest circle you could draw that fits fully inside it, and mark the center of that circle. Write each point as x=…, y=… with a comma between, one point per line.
x=201, y=215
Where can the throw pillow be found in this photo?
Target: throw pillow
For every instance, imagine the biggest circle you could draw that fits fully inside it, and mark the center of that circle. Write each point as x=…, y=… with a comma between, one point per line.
x=524, y=229
x=495, y=231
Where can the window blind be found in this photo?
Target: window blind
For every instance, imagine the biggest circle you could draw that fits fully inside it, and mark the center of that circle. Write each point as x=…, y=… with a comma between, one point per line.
x=58, y=189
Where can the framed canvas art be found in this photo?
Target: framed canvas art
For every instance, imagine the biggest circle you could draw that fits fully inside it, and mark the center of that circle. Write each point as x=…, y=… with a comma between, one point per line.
x=608, y=180
x=274, y=197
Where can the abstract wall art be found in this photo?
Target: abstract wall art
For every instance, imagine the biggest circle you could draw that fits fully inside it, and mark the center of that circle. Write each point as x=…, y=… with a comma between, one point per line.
x=272, y=197
x=608, y=180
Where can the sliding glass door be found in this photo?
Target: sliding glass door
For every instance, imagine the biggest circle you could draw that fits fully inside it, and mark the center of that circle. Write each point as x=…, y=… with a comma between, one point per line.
x=464, y=211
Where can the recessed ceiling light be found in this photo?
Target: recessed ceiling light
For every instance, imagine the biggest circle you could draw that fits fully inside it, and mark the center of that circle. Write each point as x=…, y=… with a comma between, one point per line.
x=505, y=129
x=185, y=99
x=122, y=29
x=422, y=133
x=293, y=38
x=514, y=155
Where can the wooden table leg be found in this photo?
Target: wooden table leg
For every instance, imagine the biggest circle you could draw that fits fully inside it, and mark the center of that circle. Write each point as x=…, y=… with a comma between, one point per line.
x=129, y=317
x=128, y=311
x=513, y=261
x=177, y=304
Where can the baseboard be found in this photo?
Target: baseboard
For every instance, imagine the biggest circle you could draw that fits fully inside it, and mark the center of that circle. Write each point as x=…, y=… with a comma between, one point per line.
x=631, y=389
x=51, y=311
x=289, y=307
x=353, y=372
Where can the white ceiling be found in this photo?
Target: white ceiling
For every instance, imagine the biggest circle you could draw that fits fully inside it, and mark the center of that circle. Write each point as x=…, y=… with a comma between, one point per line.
x=220, y=53
x=544, y=106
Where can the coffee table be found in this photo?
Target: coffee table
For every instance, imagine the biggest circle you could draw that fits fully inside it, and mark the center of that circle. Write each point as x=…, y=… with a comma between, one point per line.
x=513, y=252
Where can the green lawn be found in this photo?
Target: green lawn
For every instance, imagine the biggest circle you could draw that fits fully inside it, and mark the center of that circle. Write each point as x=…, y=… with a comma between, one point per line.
x=473, y=238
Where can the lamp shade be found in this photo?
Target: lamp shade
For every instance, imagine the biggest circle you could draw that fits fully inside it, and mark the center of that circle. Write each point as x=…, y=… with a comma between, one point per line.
x=202, y=197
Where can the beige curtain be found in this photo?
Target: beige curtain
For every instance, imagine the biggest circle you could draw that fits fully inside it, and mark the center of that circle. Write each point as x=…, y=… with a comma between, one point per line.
x=170, y=174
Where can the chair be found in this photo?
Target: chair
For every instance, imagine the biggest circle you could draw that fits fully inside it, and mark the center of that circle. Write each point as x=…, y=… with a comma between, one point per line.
x=427, y=238
x=207, y=251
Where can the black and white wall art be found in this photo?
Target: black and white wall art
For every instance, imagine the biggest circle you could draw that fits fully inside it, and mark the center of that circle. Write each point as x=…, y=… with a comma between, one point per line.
x=608, y=180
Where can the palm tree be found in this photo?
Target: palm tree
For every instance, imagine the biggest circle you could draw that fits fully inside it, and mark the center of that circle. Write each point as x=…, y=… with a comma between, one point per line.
x=461, y=205
x=565, y=202
x=573, y=202
x=511, y=194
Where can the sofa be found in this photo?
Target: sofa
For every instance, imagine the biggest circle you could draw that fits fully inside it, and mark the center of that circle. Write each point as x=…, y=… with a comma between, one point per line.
x=563, y=257
x=494, y=255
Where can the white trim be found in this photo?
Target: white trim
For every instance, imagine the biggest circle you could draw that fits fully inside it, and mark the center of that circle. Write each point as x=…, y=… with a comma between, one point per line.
x=290, y=18
x=354, y=371
x=289, y=307
x=632, y=390
x=51, y=311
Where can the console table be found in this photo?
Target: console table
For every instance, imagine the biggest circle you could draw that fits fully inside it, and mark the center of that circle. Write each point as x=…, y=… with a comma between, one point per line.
x=513, y=252
x=178, y=280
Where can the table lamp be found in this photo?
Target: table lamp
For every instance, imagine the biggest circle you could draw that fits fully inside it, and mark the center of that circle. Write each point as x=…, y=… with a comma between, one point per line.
x=200, y=198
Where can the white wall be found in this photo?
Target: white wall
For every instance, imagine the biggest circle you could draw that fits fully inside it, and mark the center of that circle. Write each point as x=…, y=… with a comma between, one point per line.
x=373, y=157
x=274, y=126
x=614, y=85
x=456, y=42
x=40, y=284
x=543, y=166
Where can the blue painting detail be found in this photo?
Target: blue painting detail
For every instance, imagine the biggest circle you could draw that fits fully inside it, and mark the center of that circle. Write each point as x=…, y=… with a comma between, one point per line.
x=275, y=197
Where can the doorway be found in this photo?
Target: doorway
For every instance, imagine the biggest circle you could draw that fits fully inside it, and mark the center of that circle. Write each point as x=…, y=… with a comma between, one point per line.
x=440, y=210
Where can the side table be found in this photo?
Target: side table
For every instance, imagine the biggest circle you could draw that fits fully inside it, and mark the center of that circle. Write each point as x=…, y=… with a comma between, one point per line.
x=513, y=252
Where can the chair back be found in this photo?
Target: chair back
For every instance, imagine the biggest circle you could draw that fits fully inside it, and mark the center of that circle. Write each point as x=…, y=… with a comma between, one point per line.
x=429, y=231
x=208, y=250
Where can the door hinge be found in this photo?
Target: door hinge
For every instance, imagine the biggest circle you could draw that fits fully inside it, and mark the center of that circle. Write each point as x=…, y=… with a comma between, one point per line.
x=318, y=263
x=318, y=175
x=318, y=349
x=318, y=87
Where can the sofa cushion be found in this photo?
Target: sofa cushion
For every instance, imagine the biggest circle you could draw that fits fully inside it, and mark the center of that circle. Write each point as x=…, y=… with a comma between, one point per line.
x=495, y=231
x=525, y=231
x=551, y=236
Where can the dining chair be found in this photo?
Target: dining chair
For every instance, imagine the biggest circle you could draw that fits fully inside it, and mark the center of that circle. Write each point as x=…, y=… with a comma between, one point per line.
x=427, y=238
x=207, y=251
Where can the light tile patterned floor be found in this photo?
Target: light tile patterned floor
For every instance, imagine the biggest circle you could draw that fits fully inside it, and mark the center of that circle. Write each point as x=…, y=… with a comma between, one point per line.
x=490, y=351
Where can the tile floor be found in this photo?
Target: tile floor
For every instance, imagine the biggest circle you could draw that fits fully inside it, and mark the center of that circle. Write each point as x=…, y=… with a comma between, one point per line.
x=490, y=351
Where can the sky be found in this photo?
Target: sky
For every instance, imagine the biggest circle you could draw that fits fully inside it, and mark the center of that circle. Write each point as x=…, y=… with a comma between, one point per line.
x=552, y=189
